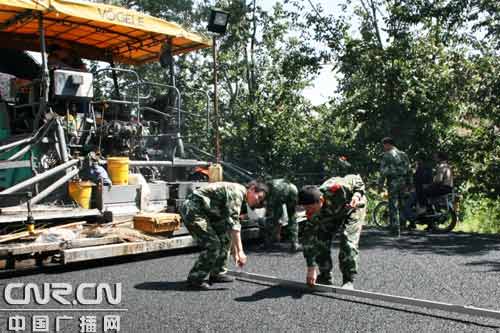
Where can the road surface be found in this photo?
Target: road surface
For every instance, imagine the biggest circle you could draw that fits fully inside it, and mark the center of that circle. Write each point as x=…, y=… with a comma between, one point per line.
x=453, y=268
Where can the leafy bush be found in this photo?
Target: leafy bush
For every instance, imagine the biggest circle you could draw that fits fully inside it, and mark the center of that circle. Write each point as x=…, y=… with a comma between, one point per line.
x=479, y=213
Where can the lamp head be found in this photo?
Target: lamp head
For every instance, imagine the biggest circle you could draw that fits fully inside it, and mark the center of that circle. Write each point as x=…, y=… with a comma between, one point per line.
x=218, y=21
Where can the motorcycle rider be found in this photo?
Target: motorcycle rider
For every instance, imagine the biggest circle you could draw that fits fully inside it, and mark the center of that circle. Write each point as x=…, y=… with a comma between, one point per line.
x=442, y=182
x=422, y=178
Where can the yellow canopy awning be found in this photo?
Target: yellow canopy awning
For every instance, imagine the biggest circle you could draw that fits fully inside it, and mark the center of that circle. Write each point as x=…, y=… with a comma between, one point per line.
x=20, y=5
x=96, y=31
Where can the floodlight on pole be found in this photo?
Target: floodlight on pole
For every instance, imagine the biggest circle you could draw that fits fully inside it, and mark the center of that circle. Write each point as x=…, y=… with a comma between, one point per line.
x=217, y=24
x=218, y=21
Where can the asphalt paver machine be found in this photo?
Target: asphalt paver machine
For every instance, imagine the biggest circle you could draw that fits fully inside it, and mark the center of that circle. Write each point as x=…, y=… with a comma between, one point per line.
x=54, y=117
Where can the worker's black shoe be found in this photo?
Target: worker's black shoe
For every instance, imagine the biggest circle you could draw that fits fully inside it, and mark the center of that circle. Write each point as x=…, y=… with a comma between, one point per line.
x=220, y=278
x=324, y=279
x=198, y=285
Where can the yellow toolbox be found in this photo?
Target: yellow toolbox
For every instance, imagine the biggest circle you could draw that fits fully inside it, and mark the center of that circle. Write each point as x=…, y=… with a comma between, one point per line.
x=156, y=223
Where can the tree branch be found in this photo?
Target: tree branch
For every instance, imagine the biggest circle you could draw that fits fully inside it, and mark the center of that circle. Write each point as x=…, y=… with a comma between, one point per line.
x=371, y=12
x=252, y=50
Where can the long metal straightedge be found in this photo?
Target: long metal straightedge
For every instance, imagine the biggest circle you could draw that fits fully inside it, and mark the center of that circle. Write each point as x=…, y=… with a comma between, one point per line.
x=468, y=310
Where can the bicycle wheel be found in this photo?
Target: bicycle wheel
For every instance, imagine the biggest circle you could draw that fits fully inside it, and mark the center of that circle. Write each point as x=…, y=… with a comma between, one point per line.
x=447, y=221
x=380, y=215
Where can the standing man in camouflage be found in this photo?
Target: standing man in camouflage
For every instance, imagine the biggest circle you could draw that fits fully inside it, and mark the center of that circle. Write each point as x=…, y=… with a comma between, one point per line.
x=211, y=214
x=281, y=193
x=338, y=205
x=395, y=169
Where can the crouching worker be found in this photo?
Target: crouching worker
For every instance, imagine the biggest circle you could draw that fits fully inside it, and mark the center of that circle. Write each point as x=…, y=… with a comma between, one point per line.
x=281, y=194
x=338, y=205
x=211, y=214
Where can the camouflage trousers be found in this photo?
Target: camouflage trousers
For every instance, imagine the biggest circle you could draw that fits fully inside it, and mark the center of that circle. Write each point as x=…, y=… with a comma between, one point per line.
x=349, y=234
x=396, y=204
x=270, y=227
x=212, y=238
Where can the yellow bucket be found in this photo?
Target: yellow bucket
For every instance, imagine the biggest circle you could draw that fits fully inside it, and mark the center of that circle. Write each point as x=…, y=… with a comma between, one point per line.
x=81, y=191
x=215, y=173
x=30, y=228
x=118, y=170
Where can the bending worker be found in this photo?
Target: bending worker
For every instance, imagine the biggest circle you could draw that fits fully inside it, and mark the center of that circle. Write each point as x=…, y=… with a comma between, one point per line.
x=338, y=205
x=281, y=193
x=211, y=214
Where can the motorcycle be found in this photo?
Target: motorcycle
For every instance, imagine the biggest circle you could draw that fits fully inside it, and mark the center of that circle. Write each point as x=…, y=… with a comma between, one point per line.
x=440, y=216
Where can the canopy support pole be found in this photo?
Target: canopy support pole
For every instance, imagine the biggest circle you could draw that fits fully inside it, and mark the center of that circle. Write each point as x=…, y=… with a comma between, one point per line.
x=44, y=86
x=115, y=79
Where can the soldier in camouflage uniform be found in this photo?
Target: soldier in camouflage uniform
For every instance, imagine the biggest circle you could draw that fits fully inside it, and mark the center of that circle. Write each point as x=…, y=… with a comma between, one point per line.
x=338, y=205
x=211, y=214
x=395, y=168
x=281, y=192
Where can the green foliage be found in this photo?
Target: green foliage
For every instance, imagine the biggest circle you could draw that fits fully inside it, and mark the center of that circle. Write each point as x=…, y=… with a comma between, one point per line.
x=263, y=72
x=480, y=214
x=426, y=73
x=431, y=81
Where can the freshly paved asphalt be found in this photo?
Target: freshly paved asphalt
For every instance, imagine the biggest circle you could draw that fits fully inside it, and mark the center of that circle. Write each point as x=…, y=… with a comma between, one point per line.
x=456, y=268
